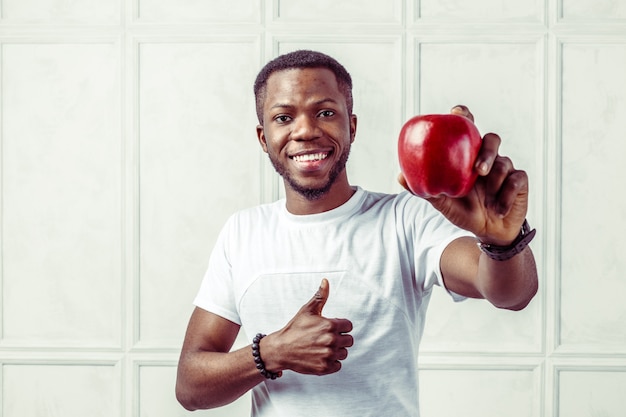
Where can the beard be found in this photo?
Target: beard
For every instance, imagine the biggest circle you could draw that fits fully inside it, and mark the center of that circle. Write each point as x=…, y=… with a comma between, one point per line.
x=311, y=193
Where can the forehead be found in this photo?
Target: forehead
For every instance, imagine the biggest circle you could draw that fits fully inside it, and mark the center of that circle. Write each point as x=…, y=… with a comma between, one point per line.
x=299, y=83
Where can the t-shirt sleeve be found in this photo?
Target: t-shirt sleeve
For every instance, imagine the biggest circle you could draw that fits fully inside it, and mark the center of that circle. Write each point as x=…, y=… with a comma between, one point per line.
x=431, y=233
x=434, y=275
x=216, y=290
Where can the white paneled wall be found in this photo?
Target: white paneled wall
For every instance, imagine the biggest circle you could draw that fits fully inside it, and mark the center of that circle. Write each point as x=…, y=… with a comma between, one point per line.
x=127, y=136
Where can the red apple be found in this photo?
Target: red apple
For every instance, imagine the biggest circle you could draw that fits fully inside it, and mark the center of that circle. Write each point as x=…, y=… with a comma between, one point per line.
x=437, y=153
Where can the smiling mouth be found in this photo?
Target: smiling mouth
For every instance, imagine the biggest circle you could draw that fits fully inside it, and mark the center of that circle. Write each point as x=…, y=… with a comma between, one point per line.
x=312, y=157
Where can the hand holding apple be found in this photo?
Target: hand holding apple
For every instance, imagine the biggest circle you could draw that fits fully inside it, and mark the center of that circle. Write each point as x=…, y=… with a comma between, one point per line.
x=444, y=160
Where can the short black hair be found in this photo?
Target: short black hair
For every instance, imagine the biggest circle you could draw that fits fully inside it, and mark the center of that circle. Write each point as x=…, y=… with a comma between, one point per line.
x=301, y=59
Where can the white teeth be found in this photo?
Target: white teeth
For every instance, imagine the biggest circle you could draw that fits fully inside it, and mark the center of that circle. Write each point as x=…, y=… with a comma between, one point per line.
x=310, y=157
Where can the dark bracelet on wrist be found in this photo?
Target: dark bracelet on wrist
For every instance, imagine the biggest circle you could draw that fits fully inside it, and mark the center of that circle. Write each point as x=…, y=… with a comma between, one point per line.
x=503, y=253
x=256, y=354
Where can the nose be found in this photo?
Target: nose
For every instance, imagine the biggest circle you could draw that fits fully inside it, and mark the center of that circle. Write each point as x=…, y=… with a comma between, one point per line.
x=305, y=128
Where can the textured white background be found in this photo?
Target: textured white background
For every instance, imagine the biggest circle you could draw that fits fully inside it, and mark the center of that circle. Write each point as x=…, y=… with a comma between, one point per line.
x=127, y=138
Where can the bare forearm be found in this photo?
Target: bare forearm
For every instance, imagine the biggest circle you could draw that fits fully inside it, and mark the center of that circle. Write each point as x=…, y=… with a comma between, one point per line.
x=213, y=379
x=509, y=284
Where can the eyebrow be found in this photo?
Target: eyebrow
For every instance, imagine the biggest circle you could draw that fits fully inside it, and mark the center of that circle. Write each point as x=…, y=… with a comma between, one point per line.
x=317, y=103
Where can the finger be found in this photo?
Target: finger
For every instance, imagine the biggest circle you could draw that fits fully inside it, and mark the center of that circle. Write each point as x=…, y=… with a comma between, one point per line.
x=342, y=354
x=494, y=182
x=488, y=153
x=334, y=367
x=342, y=325
x=316, y=304
x=403, y=182
x=515, y=184
x=462, y=110
x=345, y=340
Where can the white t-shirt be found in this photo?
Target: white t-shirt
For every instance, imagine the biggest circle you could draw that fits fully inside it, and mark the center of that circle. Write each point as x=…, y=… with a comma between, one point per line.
x=381, y=256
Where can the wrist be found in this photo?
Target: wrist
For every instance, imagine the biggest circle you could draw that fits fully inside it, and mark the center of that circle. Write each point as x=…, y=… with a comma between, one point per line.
x=260, y=361
x=505, y=252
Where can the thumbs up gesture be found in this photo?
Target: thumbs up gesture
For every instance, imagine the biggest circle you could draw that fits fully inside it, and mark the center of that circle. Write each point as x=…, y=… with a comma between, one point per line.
x=310, y=343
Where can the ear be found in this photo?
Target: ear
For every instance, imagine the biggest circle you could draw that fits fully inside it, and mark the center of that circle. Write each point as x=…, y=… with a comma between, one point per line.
x=353, y=119
x=260, y=134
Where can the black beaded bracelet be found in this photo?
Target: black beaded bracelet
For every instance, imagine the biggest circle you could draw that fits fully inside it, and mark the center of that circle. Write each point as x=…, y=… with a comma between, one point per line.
x=256, y=354
x=503, y=253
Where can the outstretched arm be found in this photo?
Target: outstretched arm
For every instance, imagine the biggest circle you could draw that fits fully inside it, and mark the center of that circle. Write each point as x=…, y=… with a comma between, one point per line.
x=494, y=211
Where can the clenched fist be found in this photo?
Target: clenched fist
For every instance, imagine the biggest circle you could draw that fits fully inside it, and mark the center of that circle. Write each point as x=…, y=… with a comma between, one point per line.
x=310, y=343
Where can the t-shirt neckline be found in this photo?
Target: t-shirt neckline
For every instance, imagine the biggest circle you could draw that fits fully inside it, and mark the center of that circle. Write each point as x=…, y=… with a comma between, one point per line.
x=343, y=210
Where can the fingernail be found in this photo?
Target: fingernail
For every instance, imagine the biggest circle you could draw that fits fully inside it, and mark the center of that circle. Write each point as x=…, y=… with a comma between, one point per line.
x=482, y=167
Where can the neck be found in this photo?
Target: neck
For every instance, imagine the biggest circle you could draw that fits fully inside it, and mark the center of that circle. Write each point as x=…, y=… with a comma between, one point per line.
x=339, y=193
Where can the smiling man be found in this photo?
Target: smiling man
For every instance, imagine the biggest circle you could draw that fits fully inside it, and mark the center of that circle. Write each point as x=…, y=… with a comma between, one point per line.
x=307, y=127
x=351, y=348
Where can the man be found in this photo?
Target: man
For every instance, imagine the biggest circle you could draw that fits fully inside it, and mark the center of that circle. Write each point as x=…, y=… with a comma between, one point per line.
x=375, y=258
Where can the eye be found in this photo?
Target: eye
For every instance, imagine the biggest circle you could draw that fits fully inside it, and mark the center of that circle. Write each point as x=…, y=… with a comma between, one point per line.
x=282, y=118
x=326, y=113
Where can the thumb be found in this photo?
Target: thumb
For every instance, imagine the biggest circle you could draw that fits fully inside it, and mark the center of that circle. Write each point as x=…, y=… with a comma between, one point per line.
x=316, y=304
x=438, y=201
x=403, y=183
x=444, y=205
